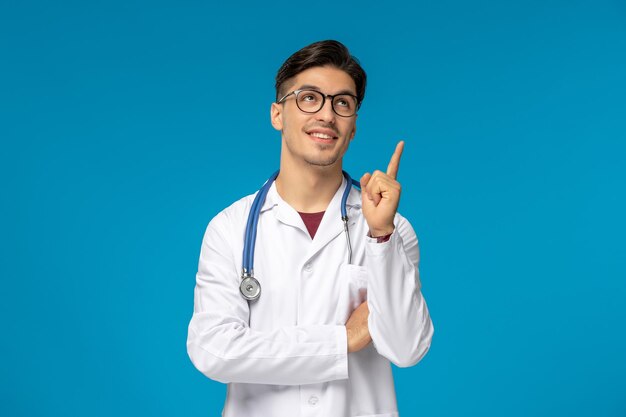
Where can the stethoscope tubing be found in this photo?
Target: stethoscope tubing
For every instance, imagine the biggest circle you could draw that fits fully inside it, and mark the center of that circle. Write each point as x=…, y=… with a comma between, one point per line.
x=248, y=280
x=251, y=227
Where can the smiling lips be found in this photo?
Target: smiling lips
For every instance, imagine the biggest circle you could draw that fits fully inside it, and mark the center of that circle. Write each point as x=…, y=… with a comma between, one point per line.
x=325, y=135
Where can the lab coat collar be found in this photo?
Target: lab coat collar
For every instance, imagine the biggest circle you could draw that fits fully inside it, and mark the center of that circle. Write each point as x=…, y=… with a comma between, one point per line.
x=331, y=224
x=273, y=199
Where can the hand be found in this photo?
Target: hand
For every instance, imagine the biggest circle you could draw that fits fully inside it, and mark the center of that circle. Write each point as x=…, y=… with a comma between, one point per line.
x=381, y=196
x=356, y=327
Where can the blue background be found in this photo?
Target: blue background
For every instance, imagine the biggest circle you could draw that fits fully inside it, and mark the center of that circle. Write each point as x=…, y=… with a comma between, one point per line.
x=126, y=126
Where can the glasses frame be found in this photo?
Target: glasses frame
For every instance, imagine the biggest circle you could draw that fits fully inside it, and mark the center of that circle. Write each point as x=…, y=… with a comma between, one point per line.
x=324, y=96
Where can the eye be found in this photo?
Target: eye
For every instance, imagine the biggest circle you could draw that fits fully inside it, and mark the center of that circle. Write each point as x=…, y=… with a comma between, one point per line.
x=346, y=102
x=309, y=97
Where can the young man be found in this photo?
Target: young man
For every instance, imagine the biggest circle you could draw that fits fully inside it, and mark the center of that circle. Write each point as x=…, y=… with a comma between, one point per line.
x=336, y=307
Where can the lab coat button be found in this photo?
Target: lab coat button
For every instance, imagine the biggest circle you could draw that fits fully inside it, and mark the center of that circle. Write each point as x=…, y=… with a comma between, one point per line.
x=308, y=268
x=313, y=400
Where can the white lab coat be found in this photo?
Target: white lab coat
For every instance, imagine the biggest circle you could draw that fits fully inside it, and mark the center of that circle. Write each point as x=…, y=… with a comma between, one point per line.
x=285, y=355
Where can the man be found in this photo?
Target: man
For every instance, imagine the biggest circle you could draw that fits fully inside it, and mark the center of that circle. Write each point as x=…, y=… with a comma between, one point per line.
x=332, y=315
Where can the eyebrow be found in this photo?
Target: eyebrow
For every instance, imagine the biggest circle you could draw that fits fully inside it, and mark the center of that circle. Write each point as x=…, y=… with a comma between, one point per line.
x=316, y=88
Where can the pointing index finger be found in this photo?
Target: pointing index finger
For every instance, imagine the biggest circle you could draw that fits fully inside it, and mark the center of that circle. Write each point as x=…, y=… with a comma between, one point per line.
x=394, y=164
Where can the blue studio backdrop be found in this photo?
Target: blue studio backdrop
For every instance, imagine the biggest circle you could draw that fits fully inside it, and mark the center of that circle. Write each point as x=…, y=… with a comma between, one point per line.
x=126, y=126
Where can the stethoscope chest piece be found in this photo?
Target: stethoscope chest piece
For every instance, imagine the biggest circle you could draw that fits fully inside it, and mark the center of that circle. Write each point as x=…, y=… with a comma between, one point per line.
x=250, y=288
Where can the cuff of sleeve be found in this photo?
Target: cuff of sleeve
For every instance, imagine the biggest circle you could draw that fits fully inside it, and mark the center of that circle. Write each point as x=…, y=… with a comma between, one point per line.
x=341, y=367
x=379, y=239
x=376, y=248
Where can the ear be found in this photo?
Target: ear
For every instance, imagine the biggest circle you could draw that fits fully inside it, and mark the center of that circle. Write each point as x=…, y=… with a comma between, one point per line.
x=276, y=116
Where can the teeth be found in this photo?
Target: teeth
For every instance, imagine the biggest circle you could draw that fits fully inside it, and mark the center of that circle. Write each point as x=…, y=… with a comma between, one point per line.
x=321, y=135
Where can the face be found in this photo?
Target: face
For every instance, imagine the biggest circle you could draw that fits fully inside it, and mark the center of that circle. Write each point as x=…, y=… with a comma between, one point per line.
x=321, y=138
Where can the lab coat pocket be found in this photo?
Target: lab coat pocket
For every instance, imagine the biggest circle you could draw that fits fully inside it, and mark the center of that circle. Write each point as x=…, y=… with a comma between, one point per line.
x=353, y=291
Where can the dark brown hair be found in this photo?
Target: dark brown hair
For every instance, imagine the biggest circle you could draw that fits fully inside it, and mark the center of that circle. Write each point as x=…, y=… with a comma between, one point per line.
x=318, y=54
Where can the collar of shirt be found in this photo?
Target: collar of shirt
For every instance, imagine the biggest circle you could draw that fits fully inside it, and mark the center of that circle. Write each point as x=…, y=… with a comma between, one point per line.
x=331, y=224
x=273, y=199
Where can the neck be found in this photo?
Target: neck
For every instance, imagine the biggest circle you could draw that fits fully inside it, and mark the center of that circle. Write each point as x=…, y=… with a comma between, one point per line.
x=308, y=188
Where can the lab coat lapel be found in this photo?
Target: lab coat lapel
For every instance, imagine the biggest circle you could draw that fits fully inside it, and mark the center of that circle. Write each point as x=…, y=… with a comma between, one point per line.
x=331, y=225
x=284, y=212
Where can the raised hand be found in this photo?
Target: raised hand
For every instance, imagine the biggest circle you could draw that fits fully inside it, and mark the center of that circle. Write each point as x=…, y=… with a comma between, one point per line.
x=381, y=195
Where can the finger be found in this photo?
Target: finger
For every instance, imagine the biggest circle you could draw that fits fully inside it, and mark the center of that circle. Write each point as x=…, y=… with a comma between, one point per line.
x=374, y=188
x=380, y=185
x=394, y=164
x=365, y=179
x=377, y=196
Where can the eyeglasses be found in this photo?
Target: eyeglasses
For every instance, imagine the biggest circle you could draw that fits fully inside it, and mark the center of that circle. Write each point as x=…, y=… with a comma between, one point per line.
x=312, y=101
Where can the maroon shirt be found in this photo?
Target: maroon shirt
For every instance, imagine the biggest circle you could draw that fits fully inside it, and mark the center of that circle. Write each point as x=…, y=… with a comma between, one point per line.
x=312, y=221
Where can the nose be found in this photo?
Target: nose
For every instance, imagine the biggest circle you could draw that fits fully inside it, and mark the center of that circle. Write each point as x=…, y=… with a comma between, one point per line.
x=326, y=113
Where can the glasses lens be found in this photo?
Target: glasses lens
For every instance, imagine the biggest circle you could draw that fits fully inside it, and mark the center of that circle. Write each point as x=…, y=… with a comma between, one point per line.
x=310, y=101
x=344, y=105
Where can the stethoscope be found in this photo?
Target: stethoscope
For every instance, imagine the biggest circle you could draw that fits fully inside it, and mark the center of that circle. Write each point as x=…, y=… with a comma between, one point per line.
x=250, y=287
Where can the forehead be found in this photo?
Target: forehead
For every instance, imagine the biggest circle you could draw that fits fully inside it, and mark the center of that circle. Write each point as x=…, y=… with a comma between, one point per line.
x=329, y=80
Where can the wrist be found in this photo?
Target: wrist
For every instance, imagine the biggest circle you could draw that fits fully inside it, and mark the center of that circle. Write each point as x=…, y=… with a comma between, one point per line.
x=381, y=233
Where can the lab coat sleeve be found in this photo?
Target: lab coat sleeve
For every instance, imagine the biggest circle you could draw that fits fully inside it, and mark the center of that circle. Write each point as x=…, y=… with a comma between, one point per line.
x=223, y=347
x=399, y=321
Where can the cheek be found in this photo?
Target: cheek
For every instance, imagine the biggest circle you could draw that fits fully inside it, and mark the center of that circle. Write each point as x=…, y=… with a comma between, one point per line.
x=292, y=124
x=350, y=131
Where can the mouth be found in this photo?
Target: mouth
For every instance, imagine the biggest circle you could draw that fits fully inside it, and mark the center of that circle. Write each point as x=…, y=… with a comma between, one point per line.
x=322, y=135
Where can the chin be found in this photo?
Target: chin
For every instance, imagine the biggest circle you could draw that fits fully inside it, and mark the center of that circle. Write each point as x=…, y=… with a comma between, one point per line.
x=322, y=162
